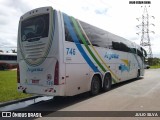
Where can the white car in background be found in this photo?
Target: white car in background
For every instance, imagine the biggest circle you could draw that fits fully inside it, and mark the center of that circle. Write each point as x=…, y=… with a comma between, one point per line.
x=146, y=66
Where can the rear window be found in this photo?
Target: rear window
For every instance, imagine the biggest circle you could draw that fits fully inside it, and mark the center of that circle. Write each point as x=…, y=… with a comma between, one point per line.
x=34, y=28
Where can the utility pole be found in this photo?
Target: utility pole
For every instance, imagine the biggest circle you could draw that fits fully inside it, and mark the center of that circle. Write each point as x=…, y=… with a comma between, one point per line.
x=145, y=38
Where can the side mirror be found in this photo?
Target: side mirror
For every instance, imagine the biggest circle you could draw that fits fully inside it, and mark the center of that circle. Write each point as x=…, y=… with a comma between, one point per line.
x=145, y=53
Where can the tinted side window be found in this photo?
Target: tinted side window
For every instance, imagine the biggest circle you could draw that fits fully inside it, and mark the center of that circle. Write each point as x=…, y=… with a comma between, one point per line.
x=7, y=57
x=120, y=46
x=139, y=52
x=116, y=45
x=67, y=34
x=68, y=37
x=97, y=37
x=124, y=47
x=3, y=57
x=133, y=50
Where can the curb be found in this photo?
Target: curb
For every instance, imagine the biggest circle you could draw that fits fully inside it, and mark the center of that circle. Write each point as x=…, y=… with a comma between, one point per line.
x=16, y=101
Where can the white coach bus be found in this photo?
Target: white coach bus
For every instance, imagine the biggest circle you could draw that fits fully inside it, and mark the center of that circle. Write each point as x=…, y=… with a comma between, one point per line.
x=59, y=55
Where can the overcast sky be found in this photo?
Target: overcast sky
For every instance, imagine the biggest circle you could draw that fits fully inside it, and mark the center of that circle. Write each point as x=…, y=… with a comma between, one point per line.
x=115, y=16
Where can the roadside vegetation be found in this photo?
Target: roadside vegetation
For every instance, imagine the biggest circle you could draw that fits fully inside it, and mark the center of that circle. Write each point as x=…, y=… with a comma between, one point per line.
x=8, y=86
x=154, y=63
x=155, y=67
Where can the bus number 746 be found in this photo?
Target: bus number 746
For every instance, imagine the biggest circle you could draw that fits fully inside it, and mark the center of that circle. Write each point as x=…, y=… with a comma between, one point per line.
x=71, y=51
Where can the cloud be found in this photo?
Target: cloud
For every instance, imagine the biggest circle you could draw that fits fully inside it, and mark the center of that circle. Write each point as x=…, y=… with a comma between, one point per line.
x=18, y=5
x=101, y=11
x=85, y=8
x=117, y=17
x=10, y=12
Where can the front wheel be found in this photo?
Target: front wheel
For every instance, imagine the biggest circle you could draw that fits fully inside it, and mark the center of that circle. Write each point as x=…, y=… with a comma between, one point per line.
x=138, y=74
x=107, y=83
x=95, y=85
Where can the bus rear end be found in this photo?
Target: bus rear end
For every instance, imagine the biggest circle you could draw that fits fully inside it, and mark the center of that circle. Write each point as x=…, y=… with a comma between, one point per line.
x=38, y=53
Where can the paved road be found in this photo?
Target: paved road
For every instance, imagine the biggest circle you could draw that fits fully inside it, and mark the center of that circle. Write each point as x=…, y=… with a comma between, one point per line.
x=134, y=95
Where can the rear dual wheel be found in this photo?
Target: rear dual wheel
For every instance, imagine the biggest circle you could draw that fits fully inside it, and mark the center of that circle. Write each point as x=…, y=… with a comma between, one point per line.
x=95, y=85
x=107, y=82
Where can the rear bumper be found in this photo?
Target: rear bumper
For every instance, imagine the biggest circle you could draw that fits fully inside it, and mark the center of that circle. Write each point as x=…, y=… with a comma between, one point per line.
x=56, y=90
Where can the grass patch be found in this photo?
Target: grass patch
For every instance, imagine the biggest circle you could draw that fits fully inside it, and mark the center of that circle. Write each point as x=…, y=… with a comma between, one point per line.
x=8, y=87
x=155, y=67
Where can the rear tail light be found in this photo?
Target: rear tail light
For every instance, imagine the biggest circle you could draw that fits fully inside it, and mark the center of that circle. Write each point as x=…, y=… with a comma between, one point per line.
x=18, y=74
x=56, y=74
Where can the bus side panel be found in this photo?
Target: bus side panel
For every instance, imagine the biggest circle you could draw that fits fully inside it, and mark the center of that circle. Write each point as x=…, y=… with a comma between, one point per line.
x=77, y=79
x=77, y=70
x=115, y=60
x=133, y=65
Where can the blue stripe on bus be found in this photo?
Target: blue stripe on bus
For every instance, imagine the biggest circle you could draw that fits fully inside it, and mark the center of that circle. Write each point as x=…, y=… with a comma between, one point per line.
x=80, y=48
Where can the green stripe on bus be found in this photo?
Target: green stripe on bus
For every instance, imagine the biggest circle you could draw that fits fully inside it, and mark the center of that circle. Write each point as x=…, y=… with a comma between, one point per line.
x=101, y=59
x=86, y=45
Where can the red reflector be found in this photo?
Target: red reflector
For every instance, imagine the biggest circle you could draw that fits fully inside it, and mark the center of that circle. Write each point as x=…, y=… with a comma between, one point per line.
x=18, y=74
x=56, y=74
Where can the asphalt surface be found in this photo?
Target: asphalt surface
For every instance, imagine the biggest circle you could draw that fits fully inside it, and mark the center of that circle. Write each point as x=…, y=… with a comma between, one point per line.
x=133, y=95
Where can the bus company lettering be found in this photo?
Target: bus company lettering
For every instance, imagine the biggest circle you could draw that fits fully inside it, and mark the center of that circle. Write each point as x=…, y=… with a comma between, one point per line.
x=34, y=70
x=111, y=56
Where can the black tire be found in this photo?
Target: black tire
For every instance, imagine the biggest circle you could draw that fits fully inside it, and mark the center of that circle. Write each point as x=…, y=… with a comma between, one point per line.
x=107, y=83
x=138, y=74
x=95, y=85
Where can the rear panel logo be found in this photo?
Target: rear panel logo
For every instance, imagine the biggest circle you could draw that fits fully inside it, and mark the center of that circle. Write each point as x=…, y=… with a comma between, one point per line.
x=34, y=70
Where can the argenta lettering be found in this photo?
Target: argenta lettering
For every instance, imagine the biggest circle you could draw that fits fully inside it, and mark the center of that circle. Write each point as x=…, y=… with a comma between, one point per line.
x=34, y=70
x=111, y=55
